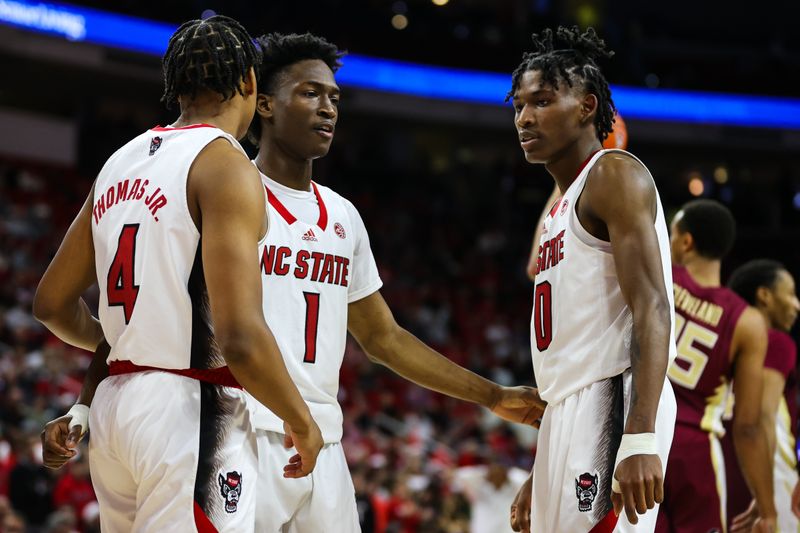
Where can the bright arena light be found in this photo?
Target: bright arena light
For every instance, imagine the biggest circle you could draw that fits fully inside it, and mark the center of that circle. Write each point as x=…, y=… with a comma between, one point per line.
x=696, y=186
x=399, y=22
x=440, y=2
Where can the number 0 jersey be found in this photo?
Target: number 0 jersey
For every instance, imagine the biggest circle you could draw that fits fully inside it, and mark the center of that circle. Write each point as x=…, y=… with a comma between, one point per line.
x=582, y=329
x=153, y=303
x=315, y=260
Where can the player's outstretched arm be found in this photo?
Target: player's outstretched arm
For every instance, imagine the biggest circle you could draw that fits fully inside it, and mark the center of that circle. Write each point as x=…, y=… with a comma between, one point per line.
x=749, y=435
x=226, y=194
x=620, y=195
x=371, y=323
x=58, y=303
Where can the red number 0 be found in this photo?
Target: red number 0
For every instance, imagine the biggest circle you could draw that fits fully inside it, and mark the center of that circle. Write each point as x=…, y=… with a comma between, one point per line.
x=312, y=323
x=543, y=315
x=121, y=288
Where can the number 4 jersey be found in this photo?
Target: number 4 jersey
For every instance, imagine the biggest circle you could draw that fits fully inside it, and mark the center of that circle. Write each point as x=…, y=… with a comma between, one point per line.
x=315, y=261
x=582, y=329
x=153, y=306
x=705, y=319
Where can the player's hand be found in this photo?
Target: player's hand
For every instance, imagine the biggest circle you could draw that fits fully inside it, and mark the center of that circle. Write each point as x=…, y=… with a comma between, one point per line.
x=744, y=522
x=521, y=508
x=519, y=404
x=641, y=480
x=796, y=500
x=308, y=444
x=59, y=443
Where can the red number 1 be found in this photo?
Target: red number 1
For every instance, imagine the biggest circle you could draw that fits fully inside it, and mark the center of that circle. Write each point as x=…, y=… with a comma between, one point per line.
x=121, y=288
x=312, y=324
x=543, y=315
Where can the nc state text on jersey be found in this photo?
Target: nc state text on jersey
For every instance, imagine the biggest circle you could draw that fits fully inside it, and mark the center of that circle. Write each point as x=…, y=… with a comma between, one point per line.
x=124, y=191
x=317, y=266
x=551, y=252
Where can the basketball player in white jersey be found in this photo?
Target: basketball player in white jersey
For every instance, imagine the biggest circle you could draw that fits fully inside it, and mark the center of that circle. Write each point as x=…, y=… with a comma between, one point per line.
x=320, y=280
x=173, y=226
x=602, y=322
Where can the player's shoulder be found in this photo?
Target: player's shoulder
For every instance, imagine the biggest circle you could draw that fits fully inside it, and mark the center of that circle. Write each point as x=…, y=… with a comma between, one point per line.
x=332, y=197
x=221, y=166
x=622, y=168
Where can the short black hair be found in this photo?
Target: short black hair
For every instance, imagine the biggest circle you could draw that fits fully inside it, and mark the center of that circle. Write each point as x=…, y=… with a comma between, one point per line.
x=575, y=59
x=712, y=226
x=280, y=51
x=213, y=54
x=746, y=279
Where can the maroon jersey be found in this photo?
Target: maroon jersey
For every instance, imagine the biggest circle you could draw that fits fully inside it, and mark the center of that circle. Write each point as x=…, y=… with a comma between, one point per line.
x=782, y=357
x=705, y=318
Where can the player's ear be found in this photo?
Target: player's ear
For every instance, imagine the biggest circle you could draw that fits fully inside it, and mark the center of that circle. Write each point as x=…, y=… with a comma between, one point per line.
x=687, y=241
x=264, y=105
x=763, y=296
x=588, y=108
x=249, y=82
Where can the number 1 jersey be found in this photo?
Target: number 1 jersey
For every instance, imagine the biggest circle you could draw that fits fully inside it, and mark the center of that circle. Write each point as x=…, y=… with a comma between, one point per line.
x=153, y=303
x=582, y=329
x=315, y=261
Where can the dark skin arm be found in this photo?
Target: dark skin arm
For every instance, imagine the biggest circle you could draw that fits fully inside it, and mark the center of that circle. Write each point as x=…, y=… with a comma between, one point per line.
x=58, y=303
x=537, y=235
x=227, y=203
x=371, y=323
x=619, y=205
x=749, y=434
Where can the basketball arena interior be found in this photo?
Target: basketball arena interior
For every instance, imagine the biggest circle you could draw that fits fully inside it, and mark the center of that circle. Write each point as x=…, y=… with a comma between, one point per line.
x=427, y=151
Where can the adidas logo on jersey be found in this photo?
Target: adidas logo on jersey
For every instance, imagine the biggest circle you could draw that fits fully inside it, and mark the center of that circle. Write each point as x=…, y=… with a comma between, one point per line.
x=309, y=236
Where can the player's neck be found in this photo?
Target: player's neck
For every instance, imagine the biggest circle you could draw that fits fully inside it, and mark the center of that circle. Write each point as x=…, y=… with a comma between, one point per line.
x=201, y=111
x=704, y=272
x=289, y=172
x=565, y=166
x=767, y=318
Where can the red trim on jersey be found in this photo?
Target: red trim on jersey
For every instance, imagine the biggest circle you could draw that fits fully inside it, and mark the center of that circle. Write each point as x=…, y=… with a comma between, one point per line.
x=217, y=376
x=323, y=211
x=607, y=524
x=556, y=205
x=202, y=522
x=190, y=127
x=279, y=207
x=290, y=219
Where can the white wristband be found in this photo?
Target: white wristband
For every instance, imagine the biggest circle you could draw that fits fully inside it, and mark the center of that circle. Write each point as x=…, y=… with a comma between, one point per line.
x=633, y=444
x=80, y=417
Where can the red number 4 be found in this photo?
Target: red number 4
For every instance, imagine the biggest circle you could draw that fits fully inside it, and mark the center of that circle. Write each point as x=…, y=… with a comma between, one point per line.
x=543, y=315
x=121, y=287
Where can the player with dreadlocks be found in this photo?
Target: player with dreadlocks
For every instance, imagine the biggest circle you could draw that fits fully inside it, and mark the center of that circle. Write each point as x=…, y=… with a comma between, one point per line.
x=602, y=313
x=170, y=231
x=320, y=281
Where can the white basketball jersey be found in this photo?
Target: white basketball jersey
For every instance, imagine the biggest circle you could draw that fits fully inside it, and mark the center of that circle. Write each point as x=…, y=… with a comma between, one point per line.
x=153, y=303
x=315, y=260
x=582, y=329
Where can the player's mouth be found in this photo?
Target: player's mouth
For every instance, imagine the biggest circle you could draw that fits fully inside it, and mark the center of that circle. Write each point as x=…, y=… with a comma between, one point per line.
x=325, y=129
x=528, y=140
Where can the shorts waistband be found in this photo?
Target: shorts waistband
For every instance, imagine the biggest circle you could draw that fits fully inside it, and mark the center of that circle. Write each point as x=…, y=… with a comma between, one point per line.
x=217, y=376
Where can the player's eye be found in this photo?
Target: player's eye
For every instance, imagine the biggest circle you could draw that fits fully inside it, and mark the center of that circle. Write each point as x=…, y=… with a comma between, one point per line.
x=542, y=102
x=310, y=93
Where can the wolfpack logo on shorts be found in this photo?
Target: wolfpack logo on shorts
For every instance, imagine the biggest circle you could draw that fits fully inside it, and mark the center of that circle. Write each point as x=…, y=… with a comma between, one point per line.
x=586, y=491
x=310, y=273
x=230, y=487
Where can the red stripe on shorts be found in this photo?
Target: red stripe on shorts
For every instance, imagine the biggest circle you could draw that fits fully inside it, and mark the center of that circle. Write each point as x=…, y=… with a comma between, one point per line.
x=217, y=376
x=607, y=524
x=202, y=522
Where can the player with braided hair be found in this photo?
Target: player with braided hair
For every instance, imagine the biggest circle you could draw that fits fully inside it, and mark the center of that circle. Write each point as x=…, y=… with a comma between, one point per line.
x=171, y=231
x=602, y=334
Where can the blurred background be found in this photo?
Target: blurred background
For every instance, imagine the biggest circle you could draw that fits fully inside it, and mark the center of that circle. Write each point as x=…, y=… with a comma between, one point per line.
x=708, y=94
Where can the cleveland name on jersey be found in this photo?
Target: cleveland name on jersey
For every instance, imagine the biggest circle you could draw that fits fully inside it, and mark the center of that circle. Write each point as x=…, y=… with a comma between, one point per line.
x=582, y=329
x=705, y=318
x=153, y=301
x=315, y=260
